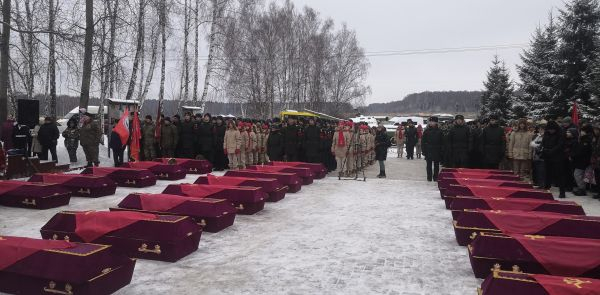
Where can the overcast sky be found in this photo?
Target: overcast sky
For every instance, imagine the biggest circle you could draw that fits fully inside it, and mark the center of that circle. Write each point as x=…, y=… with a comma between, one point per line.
x=401, y=25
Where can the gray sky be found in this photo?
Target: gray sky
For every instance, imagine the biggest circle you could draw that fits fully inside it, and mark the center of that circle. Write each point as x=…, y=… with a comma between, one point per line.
x=401, y=25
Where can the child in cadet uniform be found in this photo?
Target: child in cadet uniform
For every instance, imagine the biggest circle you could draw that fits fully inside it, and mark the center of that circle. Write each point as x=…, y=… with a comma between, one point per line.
x=364, y=142
x=245, y=138
x=372, y=133
x=419, y=136
x=351, y=159
x=263, y=158
x=251, y=145
x=231, y=145
x=399, y=138
x=255, y=134
x=339, y=147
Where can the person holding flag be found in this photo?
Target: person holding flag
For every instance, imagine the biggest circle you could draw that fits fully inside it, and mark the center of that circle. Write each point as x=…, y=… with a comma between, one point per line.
x=119, y=138
x=136, y=135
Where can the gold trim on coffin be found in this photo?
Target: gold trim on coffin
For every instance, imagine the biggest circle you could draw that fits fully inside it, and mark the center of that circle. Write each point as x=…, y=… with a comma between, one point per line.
x=151, y=220
x=144, y=249
x=164, y=175
x=86, y=191
x=29, y=202
x=101, y=248
x=507, y=199
x=130, y=181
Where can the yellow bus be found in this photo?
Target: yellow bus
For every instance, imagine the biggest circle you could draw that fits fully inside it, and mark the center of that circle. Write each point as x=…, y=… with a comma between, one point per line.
x=284, y=115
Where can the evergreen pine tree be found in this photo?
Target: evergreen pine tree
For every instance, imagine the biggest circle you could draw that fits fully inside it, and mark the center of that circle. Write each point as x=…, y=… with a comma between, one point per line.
x=579, y=29
x=539, y=73
x=498, y=94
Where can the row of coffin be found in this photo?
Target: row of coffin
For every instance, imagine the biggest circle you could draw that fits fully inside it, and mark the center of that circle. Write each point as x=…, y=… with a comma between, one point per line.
x=93, y=252
x=519, y=239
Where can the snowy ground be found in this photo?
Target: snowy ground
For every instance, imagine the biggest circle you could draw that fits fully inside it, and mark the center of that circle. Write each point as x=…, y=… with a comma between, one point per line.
x=388, y=236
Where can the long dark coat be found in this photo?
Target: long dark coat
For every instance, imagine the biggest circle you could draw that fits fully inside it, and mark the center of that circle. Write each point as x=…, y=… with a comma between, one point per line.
x=291, y=140
x=493, y=144
x=48, y=134
x=187, y=139
x=459, y=143
x=275, y=146
x=382, y=143
x=312, y=138
x=432, y=144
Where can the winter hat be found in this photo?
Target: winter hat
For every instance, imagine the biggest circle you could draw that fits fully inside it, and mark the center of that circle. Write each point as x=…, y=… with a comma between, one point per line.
x=167, y=119
x=494, y=117
x=567, y=120
x=588, y=129
x=434, y=119
x=148, y=117
x=552, y=125
x=459, y=117
x=573, y=131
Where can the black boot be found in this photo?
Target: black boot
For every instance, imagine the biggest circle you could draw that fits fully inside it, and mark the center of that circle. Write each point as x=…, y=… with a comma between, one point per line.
x=89, y=165
x=382, y=174
x=562, y=195
x=579, y=192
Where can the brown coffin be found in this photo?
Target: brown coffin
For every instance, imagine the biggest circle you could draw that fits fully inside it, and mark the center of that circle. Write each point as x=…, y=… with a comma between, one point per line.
x=162, y=171
x=83, y=269
x=214, y=215
x=192, y=166
x=460, y=204
x=80, y=185
x=471, y=223
x=306, y=174
x=124, y=177
x=271, y=186
x=247, y=200
x=33, y=195
x=496, y=252
x=291, y=180
x=166, y=238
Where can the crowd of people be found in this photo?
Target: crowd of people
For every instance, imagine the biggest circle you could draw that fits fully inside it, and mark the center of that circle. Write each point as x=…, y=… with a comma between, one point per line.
x=547, y=152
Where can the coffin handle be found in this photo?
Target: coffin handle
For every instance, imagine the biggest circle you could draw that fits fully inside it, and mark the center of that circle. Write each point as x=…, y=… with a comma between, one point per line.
x=29, y=202
x=130, y=181
x=52, y=289
x=240, y=207
x=144, y=249
x=202, y=223
x=86, y=191
x=473, y=235
x=164, y=175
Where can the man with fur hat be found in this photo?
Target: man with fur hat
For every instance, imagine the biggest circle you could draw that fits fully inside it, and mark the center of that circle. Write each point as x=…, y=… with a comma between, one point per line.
x=312, y=138
x=493, y=144
x=187, y=138
x=459, y=141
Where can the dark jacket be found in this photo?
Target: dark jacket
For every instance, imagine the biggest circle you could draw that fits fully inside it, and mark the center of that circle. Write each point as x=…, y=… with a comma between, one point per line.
x=206, y=136
x=291, y=139
x=71, y=136
x=169, y=137
x=581, y=152
x=459, y=140
x=48, y=134
x=553, y=144
x=382, y=143
x=187, y=139
x=115, y=141
x=275, y=146
x=89, y=134
x=219, y=138
x=6, y=134
x=312, y=137
x=432, y=144
x=21, y=136
x=410, y=136
x=492, y=144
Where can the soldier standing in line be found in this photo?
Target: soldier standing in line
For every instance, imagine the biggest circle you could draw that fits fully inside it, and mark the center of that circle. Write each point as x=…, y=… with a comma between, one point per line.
x=290, y=139
x=219, y=156
x=187, y=137
x=339, y=146
x=411, y=140
x=89, y=138
x=264, y=137
x=244, y=146
x=148, y=139
x=459, y=142
x=433, y=146
x=206, y=138
x=252, y=154
x=312, y=137
x=232, y=142
x=493, y=144
x=169, y=136
x=275, y=142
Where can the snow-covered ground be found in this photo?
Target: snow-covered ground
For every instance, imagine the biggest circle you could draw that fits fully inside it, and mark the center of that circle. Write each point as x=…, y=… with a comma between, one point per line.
x=389, y=236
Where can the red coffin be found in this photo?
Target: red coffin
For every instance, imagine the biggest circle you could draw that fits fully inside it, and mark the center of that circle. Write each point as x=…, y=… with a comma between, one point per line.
x=126, y=177
x=33, y=195
x=147, y=236
x=471, y=223
x=248, y=200
x=32, y=266
x=493, y=192
x=291, y=180
x=192, y=166
x=80, y=185
x=270, y=186
x=479, y=171
x=518, y=283
x=507, y=177
x=162, y=171
x=559, y=256
x=305, y=174
x=318, y=169
x=483, y=182
x=213, y=215
x=460, y=204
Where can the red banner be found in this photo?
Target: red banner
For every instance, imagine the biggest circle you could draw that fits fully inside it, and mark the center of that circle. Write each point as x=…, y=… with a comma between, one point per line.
x=135, y=138
x=122, y=128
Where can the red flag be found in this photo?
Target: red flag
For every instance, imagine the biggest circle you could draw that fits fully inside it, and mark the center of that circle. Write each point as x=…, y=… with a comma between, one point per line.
x=135, y=138
x=575, y=114
x=122, y=128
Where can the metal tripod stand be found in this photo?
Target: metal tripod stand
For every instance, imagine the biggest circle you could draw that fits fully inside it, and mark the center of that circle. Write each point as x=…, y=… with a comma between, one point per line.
x=358, y=160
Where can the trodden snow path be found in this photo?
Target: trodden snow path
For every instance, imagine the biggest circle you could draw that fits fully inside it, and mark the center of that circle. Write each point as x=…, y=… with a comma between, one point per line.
x=389, y=236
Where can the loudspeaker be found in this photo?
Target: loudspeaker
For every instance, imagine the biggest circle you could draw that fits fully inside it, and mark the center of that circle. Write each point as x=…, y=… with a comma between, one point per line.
x=28, y=112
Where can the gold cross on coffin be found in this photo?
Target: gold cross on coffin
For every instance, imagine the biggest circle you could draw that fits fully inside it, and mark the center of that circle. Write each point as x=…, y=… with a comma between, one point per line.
x=576, y=282
x=535, y=237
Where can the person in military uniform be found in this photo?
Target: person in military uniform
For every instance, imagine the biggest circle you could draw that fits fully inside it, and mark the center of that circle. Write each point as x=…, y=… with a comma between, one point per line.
x=459, y=143
x=493, y=144
x=312, y=137
x=263, y=137
x=275, y=142
x=71, y=136
x=290, y=140
x=475, y=156
x=339, y=146
x=169, y=137
x=187, y=137
x=89, y=138
x=433, y=148
x=148, y=138
x=245, y=146
x=232, y=142
x=411, y=139
x=206, y=137
x=220, y=157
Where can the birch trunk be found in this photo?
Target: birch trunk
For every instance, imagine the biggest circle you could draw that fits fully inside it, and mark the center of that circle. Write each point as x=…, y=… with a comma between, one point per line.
x=136, y=59
x=4, y=60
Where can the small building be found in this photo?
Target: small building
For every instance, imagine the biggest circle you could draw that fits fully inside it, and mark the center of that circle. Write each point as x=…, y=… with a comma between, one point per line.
x=116, y=108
